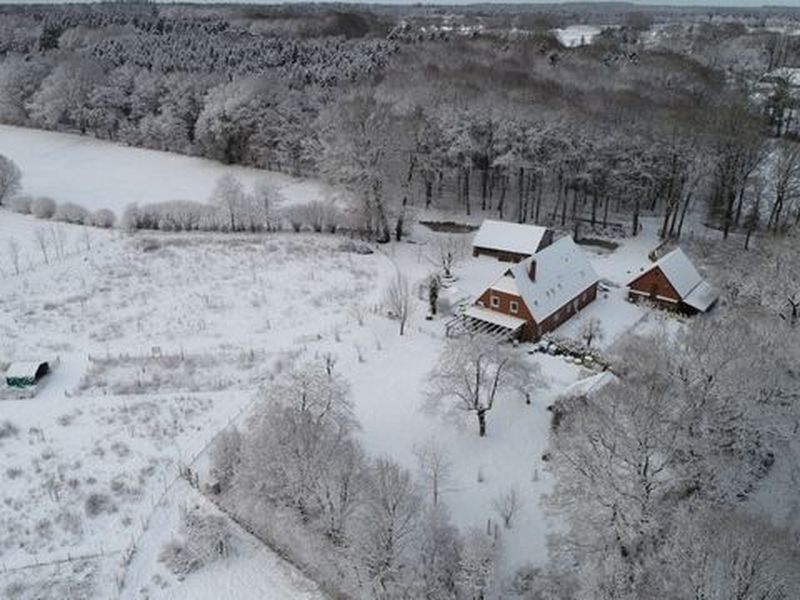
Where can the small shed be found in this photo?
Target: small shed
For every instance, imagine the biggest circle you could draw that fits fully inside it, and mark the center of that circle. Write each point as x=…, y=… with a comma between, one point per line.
x=673, y=282
x=26, y=374
x=510, y=242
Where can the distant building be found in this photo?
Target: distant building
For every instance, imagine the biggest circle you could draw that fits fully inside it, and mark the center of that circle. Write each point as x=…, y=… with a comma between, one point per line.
x=673, y=282
x=538, y=294
x=510, y=242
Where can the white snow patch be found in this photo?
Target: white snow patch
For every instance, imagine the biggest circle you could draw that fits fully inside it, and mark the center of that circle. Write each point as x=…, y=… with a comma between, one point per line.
x=100, y=174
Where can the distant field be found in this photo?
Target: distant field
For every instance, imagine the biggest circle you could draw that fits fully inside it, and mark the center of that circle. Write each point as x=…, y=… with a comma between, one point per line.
x=99, y=174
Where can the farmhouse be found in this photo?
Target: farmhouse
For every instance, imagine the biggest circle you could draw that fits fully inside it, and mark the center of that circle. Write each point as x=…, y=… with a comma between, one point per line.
x=538, y=294
x=510, y=242
x=673, y=282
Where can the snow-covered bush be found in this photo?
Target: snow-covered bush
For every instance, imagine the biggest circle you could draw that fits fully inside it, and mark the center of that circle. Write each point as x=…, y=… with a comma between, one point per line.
x=69, y=212
x=20, y=204
x=172, y=215
x=296, y=217
x=43, y=207
x=355, y=247
x=10, y=177
x=7, y=430
x=317, y=215
x=225, y=457
x=104, y=218
x=204, y=539
x=98, y=503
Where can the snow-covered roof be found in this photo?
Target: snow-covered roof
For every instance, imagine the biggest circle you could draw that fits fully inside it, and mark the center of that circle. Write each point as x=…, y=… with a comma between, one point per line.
x=509, y=237
x=687, y=282
x=680, y=272
x=506, y=284
x=702, y=297
x=589, y=385
x=23, y=369
x=562, y=273
x=494, y=317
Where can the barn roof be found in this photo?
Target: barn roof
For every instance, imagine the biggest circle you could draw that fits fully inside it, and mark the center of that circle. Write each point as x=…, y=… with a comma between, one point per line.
x=680, y=272
x=702, y=297
x=562, y=273
x=687, y=282
x=509, y=237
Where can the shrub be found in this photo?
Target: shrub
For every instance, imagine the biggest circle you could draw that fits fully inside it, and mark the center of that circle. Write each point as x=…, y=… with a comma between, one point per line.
x=10, y=177
x=69, y=212
x=8, y=429
x=103, y=218
x=206, y=538
x=99, y=503
x=43, y=207
x=21, y=204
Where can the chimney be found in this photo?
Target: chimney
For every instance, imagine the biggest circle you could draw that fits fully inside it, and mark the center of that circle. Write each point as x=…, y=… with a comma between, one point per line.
x=532, y=270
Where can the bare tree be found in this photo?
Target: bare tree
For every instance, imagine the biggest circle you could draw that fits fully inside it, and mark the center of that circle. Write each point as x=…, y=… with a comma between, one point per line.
x=506, y=505
x=267, y=196
x=41, y=240
x=786, y=176
x=477, y=575
x=399, y=300
x=12, y=246
x=229, y=195
x=435, y=467
x=591, y=330
x=390, y=521
x=474, y=370
x=447, y=251
x=359, y=142
x=58, y=235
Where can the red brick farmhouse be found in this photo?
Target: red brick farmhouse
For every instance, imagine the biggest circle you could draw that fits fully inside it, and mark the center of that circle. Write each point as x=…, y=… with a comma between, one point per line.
x=538, y=294
x=510, y=242
x=673, y=282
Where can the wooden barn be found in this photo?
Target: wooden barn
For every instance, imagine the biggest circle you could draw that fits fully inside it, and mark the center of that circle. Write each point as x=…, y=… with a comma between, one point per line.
x=673, y=282
x=538, y=294
x=510, y=242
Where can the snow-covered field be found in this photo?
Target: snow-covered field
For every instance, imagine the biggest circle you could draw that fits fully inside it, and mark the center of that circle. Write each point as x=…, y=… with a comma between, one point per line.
x=577, y=35
x=98, y=174
x=164, y=339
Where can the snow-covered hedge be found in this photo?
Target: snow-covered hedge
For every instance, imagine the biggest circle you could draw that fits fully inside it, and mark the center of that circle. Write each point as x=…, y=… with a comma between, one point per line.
x=103, y=218
x=69, y=212
x=21, y=204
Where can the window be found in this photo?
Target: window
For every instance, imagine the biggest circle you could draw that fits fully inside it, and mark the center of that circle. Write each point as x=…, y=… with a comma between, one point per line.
x=495, y=301
x=514, y=306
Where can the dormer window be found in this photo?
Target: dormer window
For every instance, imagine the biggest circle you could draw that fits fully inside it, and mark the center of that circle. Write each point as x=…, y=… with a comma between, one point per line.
x=495, y=302
x=514, y=306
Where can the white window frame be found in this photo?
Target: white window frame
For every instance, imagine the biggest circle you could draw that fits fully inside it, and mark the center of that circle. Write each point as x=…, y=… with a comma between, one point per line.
x=513, y=306
x=494, y=301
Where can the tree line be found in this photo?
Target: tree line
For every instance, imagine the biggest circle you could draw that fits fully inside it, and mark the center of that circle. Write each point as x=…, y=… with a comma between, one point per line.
x=516, y=126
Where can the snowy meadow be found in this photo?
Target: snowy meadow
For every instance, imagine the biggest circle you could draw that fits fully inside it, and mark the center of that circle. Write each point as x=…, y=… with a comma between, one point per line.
x=306, y=302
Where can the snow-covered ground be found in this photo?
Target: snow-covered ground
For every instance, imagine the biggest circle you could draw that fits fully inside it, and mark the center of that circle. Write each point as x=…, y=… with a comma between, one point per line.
x=164, y=339
x=98, y=174
x=577, y=35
